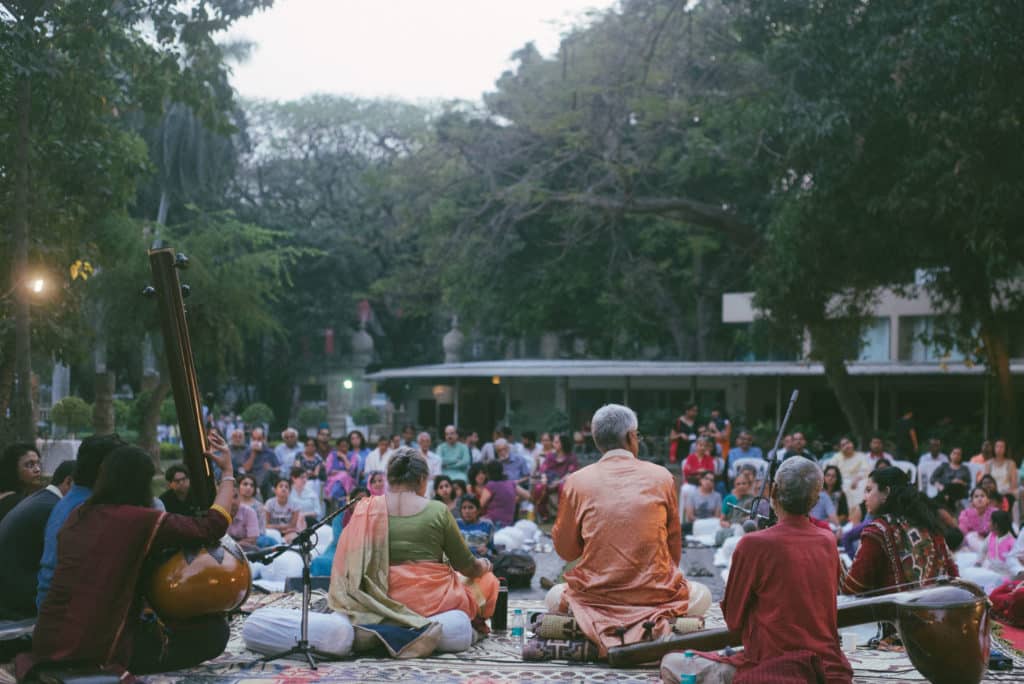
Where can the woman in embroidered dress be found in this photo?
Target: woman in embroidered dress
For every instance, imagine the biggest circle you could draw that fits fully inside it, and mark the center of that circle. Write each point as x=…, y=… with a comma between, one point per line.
x=903, y=544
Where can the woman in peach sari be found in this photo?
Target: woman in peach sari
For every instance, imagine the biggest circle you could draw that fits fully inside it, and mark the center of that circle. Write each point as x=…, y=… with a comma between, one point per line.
x=390, y=558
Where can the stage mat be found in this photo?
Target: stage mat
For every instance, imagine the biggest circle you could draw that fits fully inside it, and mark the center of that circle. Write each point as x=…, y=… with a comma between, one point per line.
x=494, y=659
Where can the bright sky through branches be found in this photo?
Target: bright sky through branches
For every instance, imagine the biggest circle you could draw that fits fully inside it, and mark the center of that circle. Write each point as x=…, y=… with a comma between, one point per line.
x=409, y=49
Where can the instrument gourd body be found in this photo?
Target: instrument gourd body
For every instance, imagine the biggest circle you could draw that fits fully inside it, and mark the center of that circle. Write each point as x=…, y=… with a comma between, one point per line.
x=206, y=580
x=944, y=628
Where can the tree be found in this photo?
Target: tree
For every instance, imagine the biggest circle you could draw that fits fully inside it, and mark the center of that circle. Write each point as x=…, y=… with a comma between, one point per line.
x=903, y=163
x=69, y=72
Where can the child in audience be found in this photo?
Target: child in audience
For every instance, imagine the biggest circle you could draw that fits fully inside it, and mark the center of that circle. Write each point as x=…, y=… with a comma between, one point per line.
x=282, y=513
x=244, y=528
x=376, y=484
x=458, y=489
x=975, y=520
x=998, y=545
x=247, y=497
x=479, y=533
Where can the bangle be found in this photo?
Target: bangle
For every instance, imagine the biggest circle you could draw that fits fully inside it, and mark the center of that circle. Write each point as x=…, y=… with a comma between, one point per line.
x=226, y=478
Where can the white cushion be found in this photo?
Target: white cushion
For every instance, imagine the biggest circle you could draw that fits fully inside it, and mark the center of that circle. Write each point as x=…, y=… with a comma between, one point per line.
x=275, y=630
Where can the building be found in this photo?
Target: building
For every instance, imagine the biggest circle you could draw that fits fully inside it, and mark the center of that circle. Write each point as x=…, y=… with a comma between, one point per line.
x=898, y=368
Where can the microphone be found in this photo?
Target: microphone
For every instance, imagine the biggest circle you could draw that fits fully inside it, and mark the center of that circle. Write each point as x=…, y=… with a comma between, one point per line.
x=263, y=555
x=749, y=526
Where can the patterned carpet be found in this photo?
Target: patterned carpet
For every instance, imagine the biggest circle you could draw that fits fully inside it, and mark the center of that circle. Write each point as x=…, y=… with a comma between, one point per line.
x=495, y=659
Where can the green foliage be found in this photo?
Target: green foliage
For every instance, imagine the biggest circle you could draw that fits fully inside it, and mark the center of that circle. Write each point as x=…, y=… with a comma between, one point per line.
x=72, y=413
x=168, y=412
x=171, y=453
x=258, y=413
x=311, y=417
x=368, y=415
x=556, y=422
x=122, y=413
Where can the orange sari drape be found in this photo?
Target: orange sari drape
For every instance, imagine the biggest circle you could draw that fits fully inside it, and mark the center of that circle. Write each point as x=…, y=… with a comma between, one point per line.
x=429, y=588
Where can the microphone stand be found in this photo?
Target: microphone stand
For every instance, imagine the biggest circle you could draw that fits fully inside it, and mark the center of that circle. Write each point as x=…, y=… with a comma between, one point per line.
x=755, y=516
x=303, y=544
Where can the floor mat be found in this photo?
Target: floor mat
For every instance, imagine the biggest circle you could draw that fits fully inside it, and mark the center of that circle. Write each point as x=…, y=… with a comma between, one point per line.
x=492, y=660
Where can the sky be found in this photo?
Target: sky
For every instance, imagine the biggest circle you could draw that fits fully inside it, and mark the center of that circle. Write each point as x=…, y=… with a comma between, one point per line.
x=407, y=49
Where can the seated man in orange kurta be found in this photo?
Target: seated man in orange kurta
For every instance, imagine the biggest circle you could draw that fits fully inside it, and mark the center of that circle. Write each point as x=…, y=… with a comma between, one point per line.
x=620, y=518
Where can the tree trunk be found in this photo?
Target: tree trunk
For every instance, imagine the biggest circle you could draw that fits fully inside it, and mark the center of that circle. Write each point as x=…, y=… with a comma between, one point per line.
x=24, y=423
x=103, y=407
x=994, y=335
x=151, y=418
x=827, y=347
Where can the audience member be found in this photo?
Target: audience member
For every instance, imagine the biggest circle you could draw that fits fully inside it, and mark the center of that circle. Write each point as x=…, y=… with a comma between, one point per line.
x=744, y=448
x=499, y=496
x=443, y=492
x=854, y=467
x=239, y=450
x=377, y=460
x=1004, y=471
x=556, y=466
x=478, y=532
x=434, y=464
x=305, y=497
x=928, y=463
x=261, y=461
x=22, y=536
x=21, y=473
x=455, y=456
x=342, y=473
x=512, y=463
x=477, y=479
x=951, y=471
x=976, y=520
x=244, y=527
x=175, y=499
x=834, y=488
x=91, y=453
x=704, y=503
x=684, y=434
x=358, y=450
x=283, y=515
x=701, y=461
x=876, y=450
x=287, y=451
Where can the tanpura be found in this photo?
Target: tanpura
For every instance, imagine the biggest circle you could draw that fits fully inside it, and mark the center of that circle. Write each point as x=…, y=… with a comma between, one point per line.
x=203, y=581
x=944, y=628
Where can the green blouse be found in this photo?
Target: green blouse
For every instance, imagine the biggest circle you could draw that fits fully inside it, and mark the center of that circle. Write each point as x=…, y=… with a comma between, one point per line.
x=428, y=536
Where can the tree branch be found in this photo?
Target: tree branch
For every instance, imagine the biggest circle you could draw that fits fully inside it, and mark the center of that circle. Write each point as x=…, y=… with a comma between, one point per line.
x=695, y=212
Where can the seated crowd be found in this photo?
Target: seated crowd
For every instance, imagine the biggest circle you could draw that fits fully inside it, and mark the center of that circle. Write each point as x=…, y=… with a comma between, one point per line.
x=417, y=544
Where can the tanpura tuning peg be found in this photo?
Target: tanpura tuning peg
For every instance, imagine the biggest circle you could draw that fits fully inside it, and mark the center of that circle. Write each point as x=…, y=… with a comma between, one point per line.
x=185, y=291
x=149, y=291
x=180, y=261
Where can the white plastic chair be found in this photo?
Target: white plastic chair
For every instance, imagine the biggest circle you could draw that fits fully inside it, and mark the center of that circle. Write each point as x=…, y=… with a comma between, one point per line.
x=759, y=464
x=924, y=476
x=977, y=469
x=908, y=468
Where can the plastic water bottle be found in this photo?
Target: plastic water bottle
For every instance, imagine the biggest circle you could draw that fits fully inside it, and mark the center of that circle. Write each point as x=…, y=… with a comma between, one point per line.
x=688, y=675
x=518, y=630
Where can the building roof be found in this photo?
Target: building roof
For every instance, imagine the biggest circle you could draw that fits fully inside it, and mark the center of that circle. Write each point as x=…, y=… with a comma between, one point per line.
x=573, y=368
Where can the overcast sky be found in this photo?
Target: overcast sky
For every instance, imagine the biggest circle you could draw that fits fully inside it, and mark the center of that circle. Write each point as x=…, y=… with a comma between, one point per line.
x=409, y=49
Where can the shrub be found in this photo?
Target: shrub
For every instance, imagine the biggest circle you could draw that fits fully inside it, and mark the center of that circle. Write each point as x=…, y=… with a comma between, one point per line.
x=122, y=413
x=258, y=413
x=367, y=415
x=311, y=417
x=168, y=412
x=72, y=413
x=171, y=452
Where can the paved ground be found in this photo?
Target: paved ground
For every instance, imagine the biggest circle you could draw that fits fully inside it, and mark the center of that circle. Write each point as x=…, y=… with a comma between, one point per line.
x=694, y=559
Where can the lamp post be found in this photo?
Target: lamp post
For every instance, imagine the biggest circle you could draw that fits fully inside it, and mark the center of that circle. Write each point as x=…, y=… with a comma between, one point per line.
x=25, y=286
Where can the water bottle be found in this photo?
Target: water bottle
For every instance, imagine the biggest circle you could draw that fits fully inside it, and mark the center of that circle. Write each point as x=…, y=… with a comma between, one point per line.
x=688, y=674
x=518, y=630
x=499, y=621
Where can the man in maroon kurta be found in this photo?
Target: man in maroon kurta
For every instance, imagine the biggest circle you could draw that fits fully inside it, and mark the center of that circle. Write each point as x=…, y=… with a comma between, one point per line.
x=782, y=590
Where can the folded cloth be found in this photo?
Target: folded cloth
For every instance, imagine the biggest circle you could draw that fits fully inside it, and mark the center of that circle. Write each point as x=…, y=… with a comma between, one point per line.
x=575, y=651
x=557, y=626
x=398, y=642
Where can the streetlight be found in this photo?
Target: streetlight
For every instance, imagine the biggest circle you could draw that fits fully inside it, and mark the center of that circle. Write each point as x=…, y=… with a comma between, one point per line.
x=24, y=289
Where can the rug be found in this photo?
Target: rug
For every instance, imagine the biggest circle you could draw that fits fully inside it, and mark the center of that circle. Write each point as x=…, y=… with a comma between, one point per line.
x=492, y=660
x=1013, y=636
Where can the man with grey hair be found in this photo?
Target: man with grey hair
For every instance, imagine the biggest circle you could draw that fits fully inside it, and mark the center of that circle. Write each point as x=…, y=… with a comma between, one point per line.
x=288, y=450
x=619, y=518
x=423, y=441
x=781, y=594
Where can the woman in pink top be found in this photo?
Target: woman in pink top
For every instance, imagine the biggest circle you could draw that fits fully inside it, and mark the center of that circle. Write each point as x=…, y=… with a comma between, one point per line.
x=976, y=519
